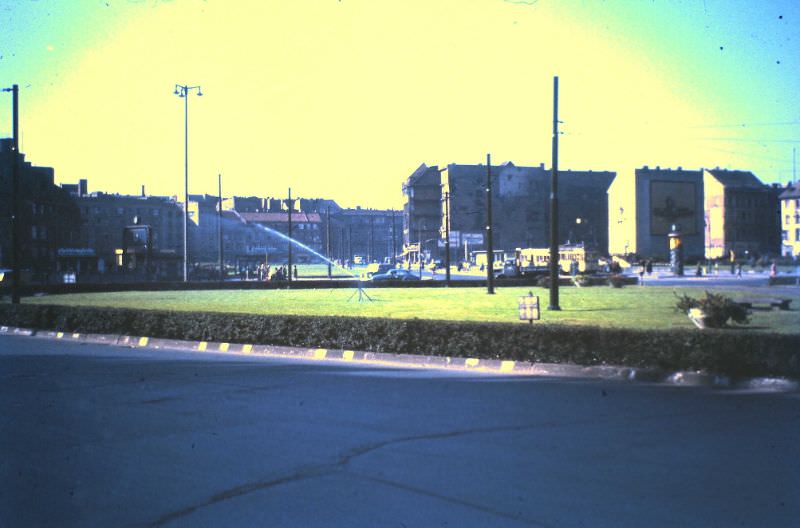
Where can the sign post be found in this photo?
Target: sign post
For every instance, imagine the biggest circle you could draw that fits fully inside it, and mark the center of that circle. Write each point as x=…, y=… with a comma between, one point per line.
x=529, y=308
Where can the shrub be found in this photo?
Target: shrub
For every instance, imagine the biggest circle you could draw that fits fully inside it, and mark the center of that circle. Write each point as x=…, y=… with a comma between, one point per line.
x=717, y=309
x=735, y=354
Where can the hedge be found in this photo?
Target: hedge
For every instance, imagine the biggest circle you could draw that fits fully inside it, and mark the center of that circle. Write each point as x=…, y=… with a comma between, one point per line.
x=732, y=352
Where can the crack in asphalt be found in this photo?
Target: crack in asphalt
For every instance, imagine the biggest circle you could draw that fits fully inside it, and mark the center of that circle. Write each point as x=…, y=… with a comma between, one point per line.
x=244, y=489
x=453, y=500
x=328, y=469
x=345, y=459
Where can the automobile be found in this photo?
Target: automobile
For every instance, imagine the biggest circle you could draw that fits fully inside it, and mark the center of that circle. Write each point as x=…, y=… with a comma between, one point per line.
x=395, y=275
x=376, y=269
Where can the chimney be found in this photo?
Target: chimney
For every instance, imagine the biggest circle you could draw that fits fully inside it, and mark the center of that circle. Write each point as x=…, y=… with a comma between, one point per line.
x=143, y=195
x=83, y=187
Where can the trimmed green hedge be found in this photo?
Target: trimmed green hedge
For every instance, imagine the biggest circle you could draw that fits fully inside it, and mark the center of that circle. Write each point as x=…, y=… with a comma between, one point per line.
x=731, y=352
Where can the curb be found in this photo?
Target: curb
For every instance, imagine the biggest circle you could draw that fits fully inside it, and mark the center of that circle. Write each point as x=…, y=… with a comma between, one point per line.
x=555, y=370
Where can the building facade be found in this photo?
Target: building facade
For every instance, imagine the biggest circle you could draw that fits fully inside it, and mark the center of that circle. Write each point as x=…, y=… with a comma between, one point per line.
x=48, y=218
x=667, y=198
x=521, y=207
x=740, y=215
x=366, y=235
x=790, y=220
x=104, y=219
x=422, y=212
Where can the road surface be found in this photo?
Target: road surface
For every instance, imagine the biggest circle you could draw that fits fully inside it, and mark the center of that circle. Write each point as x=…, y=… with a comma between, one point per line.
x=107, y=436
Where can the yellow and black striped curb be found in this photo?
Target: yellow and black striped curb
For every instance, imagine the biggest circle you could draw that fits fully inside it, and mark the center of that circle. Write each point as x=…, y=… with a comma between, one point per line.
x=607, y=372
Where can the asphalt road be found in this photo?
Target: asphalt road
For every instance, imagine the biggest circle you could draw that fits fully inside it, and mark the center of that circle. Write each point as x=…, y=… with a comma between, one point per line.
x=96, y=435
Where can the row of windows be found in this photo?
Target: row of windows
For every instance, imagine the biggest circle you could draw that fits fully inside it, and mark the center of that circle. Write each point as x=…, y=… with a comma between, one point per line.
x=785, y=235
x=788, y=219
x=130, y=211
x=39, y=232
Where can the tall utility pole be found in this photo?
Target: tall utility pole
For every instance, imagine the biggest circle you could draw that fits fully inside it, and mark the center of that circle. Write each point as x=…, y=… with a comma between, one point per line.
x=489, y=244
x=419, y=247
x=328, y=238
x=15, y=260
x=350, y=243
x=182, y=90
x=554, y=207
x=289, y=265
x=342, y=245
x=447, y=237
x=371, y=246
x=394, y=240
x=219, y=229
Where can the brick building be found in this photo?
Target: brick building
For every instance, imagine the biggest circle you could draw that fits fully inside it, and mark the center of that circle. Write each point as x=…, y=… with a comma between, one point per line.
x=48, y=218
x=741, y=214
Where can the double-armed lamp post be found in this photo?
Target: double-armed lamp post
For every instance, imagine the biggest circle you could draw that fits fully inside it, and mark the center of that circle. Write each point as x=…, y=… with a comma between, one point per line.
x=182, y=90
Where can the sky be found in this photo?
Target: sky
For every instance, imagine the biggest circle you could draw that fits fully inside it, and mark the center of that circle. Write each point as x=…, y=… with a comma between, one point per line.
x=344, y=99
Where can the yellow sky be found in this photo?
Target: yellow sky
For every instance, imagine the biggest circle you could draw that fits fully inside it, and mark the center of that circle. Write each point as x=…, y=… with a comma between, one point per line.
x=343, y=99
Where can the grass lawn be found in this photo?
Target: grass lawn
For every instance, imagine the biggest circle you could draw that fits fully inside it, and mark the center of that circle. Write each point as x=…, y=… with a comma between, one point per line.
x=631, y=307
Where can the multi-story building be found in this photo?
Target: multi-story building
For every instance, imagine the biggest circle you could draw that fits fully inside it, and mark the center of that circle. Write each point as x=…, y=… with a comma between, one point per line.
x=306, y=229
x=103, y=220
x=790, y=220
x=646, y=205
x=740, y=215
x=422, y=212
x=521, y=206
x=373, y=235
x=205, y=222
x=48, y=218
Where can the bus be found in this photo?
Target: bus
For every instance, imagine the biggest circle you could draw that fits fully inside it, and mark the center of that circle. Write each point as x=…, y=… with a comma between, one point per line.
x=530, y=261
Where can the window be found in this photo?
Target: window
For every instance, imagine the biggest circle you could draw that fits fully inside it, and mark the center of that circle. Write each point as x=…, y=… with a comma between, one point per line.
x=785, y=235
x=797, y=235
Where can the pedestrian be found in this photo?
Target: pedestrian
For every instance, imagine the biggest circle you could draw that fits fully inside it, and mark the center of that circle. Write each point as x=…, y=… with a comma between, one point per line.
x=773, y=269
x=649, y=266
x=295, y=272
x=739, y=269
x=699, y=271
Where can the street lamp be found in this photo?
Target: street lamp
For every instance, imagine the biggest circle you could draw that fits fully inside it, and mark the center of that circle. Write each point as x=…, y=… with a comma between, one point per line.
x=182, y=90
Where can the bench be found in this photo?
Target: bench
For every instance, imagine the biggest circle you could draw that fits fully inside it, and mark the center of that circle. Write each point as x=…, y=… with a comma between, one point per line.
x=765, y=303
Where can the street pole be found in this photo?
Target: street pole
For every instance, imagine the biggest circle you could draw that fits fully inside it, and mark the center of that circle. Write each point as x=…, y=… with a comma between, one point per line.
x=554, y=207
x=350, y=244
x=219, y=230
x=447, y=237
x=15, y=199
x=182, y=90
x=394, y=239
x=328, y=238
x=289, y=266
x=489, y=244
x=371, y=246
x=419, y=247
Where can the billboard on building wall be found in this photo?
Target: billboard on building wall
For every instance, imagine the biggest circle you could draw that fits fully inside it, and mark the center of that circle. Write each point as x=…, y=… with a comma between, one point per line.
x=671, y=203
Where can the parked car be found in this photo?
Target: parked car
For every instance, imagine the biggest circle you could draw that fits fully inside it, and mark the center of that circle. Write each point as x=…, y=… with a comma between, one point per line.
x=395, y=275
x=376, y=269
